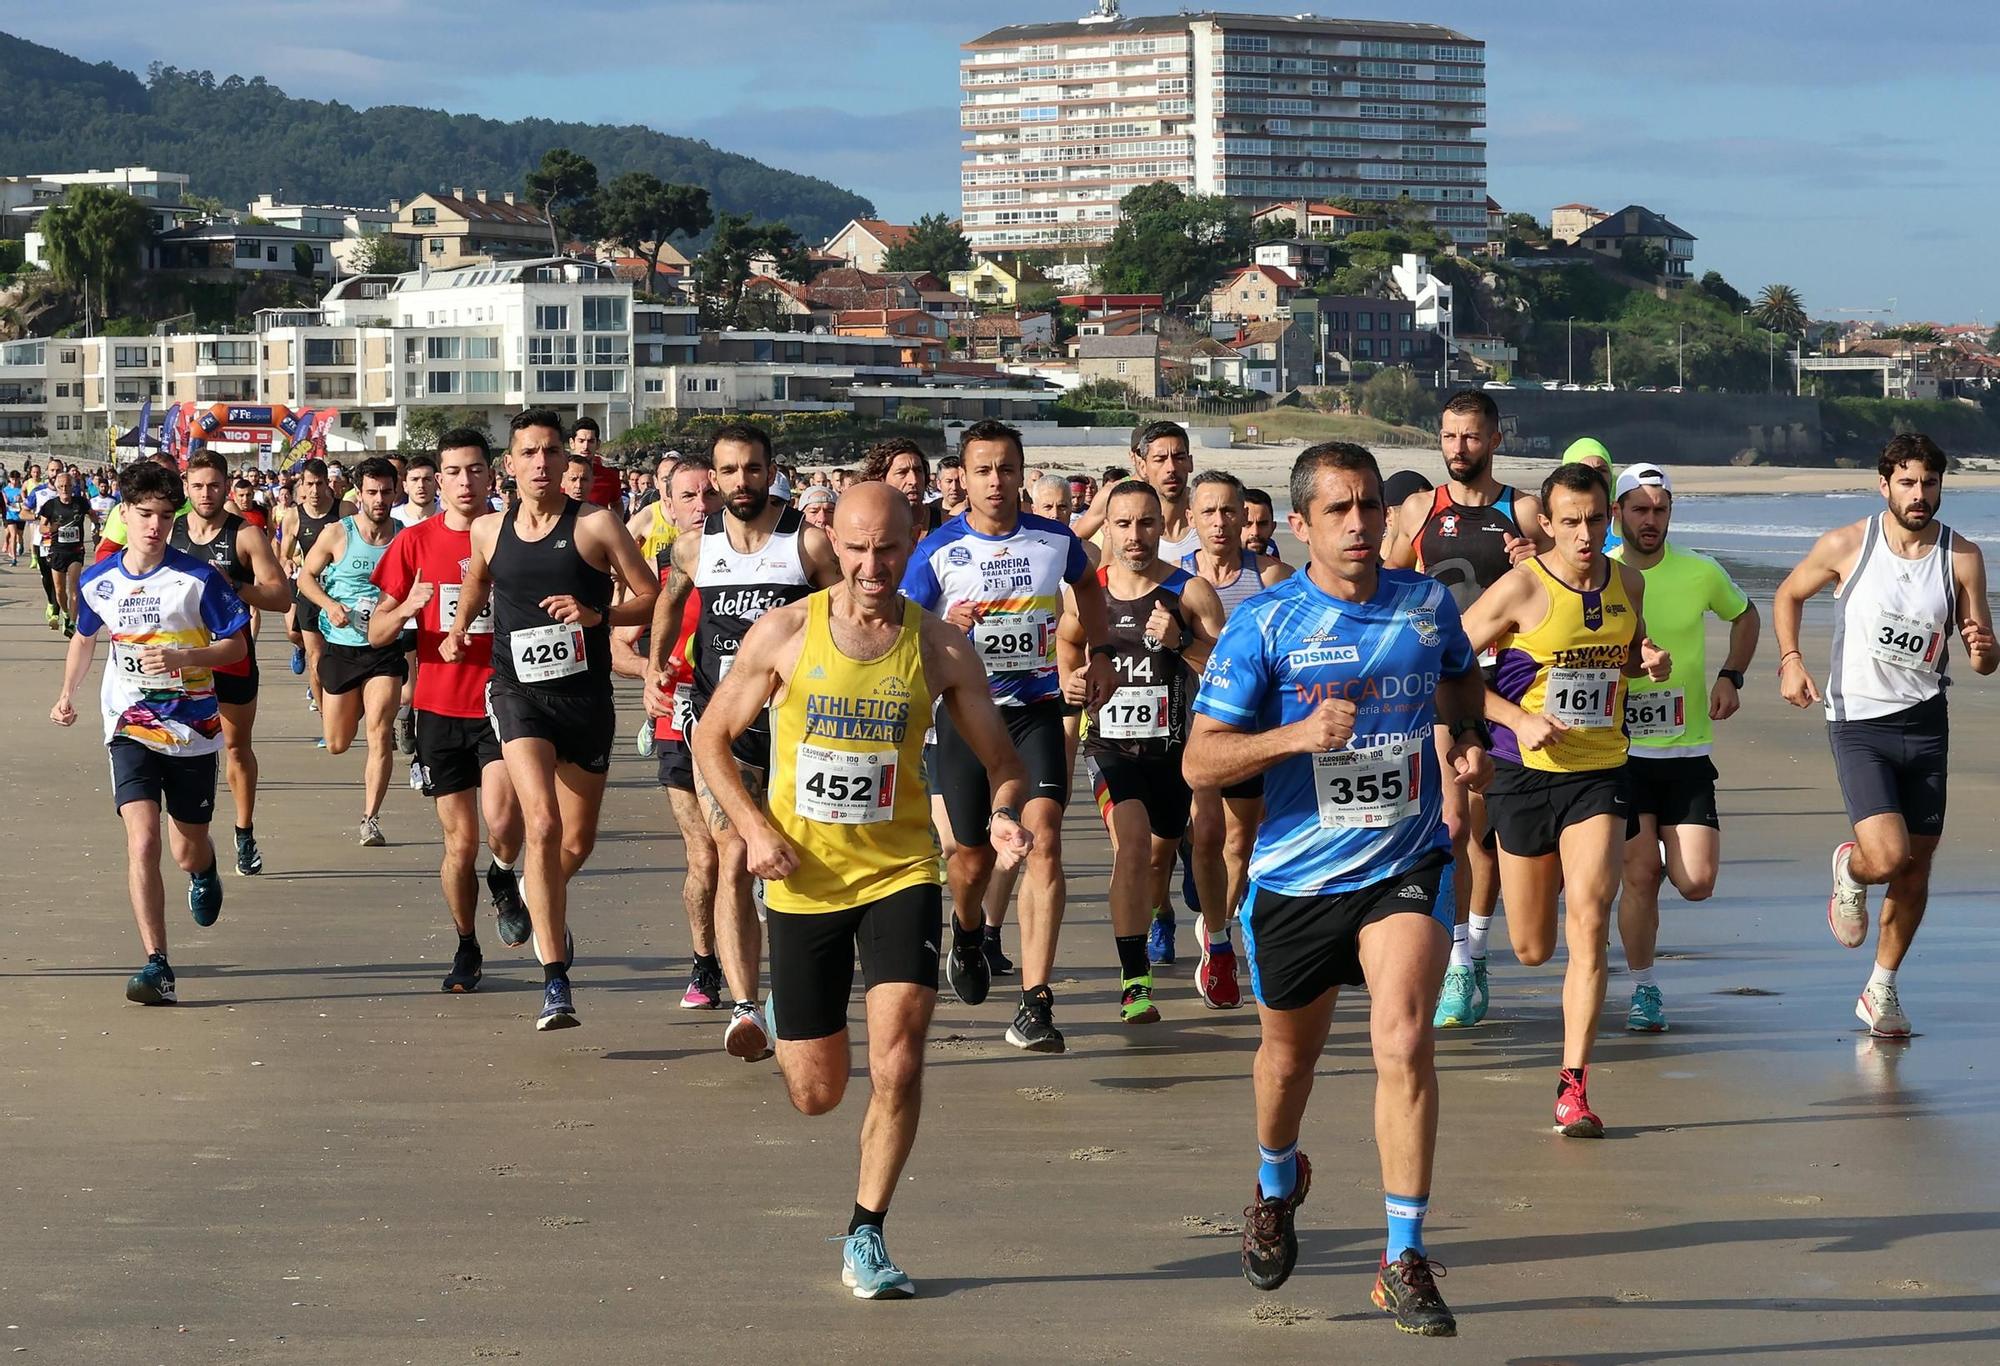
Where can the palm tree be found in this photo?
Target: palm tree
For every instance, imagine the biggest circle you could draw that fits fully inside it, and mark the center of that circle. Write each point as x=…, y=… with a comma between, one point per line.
x=1779, y=308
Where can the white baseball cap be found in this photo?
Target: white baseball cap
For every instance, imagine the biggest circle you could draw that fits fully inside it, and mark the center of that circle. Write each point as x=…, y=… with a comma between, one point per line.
x=1643, y=476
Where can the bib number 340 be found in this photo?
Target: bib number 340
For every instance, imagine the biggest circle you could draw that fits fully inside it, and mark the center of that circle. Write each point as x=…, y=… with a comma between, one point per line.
x=1907, y=642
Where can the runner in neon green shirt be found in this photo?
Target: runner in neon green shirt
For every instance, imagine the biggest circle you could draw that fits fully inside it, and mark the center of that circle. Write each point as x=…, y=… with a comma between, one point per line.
x=1669, y=777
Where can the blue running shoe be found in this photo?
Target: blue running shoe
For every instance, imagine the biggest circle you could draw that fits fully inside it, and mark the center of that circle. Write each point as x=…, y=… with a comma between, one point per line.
x=205, y=897
x=866, y=1269
x=1648, y=1014
x=298, y=659
x=152, y=985
x=557, y=1011
x=1160, y=939
x=1481, y=997
x=1455, y=1001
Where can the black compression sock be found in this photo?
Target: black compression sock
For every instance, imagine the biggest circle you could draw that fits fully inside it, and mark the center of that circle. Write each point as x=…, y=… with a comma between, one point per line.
x=469, y=941
x=708, y=962
x=1132, y=956
x=962, y=937
x=992, y=934
x=863, y=1218
x=551, y=971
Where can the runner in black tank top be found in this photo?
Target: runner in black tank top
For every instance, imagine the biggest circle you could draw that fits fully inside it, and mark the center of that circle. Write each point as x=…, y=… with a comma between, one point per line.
x=1465, y=548
x=524, y=574
x=219, y=550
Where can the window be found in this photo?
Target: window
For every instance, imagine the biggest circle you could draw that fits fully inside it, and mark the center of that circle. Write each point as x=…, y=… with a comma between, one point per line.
x=603, y=350
x=693, y=385
x=1364, y=347
x=551, y=317
x=435, y=245
x=441, y=348
x=68, y=358
x=656, y=386
x=271, y=255
x=424, y=218
x=249, y=248
x=443, y=382
x=555, y=381
x=225, y=353
x=126, y=357
x=604, y=381
x=711, y=385
x=319, y=256
x=603, y=314
x=1123, y=366
x=1404, y=322
x=482, y=348
x=552, y=350
x=1404, y=346
x=1364, y=321
x=482, y=381
x=62, y=391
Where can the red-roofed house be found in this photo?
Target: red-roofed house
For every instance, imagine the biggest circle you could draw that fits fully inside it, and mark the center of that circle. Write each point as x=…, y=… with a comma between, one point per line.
x=1253, y=293
x=1309, y=218
x=922, y=336
x=865, y=241
x=1567, y=222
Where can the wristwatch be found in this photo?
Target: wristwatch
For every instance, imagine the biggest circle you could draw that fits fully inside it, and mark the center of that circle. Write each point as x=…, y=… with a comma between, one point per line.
x=1735, y=676
x=1009, y=812
x=1107, y=650
x=1477, y=725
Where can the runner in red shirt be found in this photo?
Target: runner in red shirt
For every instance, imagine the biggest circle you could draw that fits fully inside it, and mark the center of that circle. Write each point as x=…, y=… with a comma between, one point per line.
x=458, y=756
x=605, y=486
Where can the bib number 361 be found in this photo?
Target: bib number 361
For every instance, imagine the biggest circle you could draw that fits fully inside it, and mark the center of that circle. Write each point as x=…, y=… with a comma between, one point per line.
x=1368, y=788
x=1656, y=715
x=844, y=787
x=547, y=652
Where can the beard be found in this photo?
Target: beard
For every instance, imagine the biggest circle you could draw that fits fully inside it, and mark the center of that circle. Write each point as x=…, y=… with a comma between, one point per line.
x=1913, y=516
x=745, y=507
x=1474, y=467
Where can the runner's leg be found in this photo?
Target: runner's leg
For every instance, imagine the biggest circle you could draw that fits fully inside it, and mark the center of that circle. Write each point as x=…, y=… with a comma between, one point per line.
x=899, y=1016
x=1403, y=957
x=340, y=716
x=1043, y=891
x=240, y=760
x=458, y=814
x=1904, y=904
x=1590, y=867
x=531, y=769
x=698, y=887
x=142, y=873
x=1639, y=899
x=1288, y=1050
x=378, y=696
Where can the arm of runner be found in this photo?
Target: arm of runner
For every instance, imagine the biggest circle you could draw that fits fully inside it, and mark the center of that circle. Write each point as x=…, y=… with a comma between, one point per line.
x=1221, y=755
x=1072, y=652
x=668, y=605
x=1205, y=622
x=76, y=668
x=822, y=564
x=1820, y=568
x=267, y=590
x=1724, y=700
x=770, y=649
x=473, y=590
x=1272, y=571
x=1408, y=519
x=1533, y=729
x=1498, y=610
x=626, y=661
x=317, y=559
x=960, y=678
x=1094, y=617
x=1528, y=517
x=1462, y=697
x=1975, y=617
x=629, y=567
x=1644, y=657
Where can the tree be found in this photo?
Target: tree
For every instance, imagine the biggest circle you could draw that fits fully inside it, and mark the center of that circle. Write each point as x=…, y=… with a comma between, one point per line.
x=565, y=187
x=302, y=260
x=423, y=426
x=1273, y=230
x=935, y=245
x=1779, y=308
x=721, y=271
x=1392, y=396
x=381, y=253
x=640, y=211
x=1171, y=243
x=1715, y=287
x=98, y=235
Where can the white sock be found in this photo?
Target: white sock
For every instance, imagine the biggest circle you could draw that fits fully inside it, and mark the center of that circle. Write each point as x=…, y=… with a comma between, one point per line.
x=1461, y=955
x=502, y=864
x=1882, y=977
x=1643, y=977
x=1847, y=881
x=1475, y=934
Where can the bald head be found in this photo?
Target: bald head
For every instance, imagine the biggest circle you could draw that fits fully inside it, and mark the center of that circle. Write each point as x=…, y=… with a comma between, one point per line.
x=871, y=534
x=872, y=506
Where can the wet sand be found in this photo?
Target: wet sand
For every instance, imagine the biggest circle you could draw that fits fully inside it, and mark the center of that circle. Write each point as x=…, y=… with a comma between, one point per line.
x=319, y=1157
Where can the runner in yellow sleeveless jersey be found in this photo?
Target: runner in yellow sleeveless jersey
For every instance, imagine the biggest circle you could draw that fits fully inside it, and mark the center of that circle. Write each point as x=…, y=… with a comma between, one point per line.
x=850, y=675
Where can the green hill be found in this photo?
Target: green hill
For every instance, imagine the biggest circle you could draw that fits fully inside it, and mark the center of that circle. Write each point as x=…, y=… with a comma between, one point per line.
x=238, y=138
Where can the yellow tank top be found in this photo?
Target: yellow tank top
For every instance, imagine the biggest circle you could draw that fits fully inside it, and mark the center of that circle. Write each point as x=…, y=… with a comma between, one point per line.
x=659, y=537
x=1571, y=666
x=847, y=785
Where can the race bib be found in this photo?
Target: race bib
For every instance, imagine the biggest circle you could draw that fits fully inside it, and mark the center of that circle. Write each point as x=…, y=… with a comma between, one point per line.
x=1015, y=644
x=362, y=608
x=1657, y=715
x=1134, y=714
x=543, y=653
x=126, y=661
x=1907, y=642
x=1489, y=657
x=70, y=533
x=683, y=718
x=1582, y=697
x=1368, y=788
x=448, y=595
x=844, y=787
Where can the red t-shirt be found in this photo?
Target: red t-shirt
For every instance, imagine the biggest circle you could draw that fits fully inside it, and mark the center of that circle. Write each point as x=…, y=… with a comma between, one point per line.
x=670, y=727
x=433, y=552
x=607, y=486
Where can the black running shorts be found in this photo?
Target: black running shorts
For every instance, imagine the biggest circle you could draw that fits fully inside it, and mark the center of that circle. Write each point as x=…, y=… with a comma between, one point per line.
x=238, y=690
x=582, y=727
x=343, y=668
x=1301, y=947
x=453, y=752
x=812, y=957
x=1037, y=732
x=1529, y=808
x=1155, y=782
x=1895, y=763
x=676, y=764
x=305, y=612
x=1674, y=791
x=182, y=784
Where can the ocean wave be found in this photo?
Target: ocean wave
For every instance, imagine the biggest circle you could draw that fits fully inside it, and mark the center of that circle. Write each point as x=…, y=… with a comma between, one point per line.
x=1759, y=530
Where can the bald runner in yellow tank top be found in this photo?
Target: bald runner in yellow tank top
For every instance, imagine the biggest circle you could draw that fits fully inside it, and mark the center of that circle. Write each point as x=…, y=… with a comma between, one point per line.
x=852, y=799
x=1571, y=667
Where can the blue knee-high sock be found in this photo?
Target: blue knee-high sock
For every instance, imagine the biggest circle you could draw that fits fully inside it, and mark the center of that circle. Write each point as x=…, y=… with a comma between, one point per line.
x=1406, y=1222
x=1277, y=1170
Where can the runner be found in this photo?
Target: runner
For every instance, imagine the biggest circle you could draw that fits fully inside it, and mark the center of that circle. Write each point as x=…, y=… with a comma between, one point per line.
x=358, y=680
x=1669, y=777
x=64, y=517
x=1260, y=523
x=753, y=555
x=1163, y=623
x=1569, y=627
x=1904, y=582
x=816, y=507
x=171, y=619
x=15, y=496
x=1468, y=533
x=951, y=485
x=1328, y=685
x=850, y=674
x=209, y=531
x=315, y=510
x=420, y=501
x=1224, y=824
x=421, y=578
x=548, y=563
x=39, y=491
x=901, y=464
x=998, y=575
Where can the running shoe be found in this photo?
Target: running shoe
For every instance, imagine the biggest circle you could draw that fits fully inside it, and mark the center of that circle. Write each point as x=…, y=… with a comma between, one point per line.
x=1882, y=1012
x=746, y=1036
x=1034, y=1027
x=49, y=615
x=643, y=741
x=1847, y=908
x=321, y=742
x=1215, y=978
x=371, y=833
x=205, y=897
x=1648, y=1015
x=69, y=628
x=406, y=732
x=865, y=1268
x=996, y=960
x=152, y=985
x=509, y=912
x=299, y=659
x=1455, y=1001
x=1407, y=1288
x=1136, y=1005
x=1270, y=1244
x=1160, y=940
x=312, y=703
x=970, y=975
x=249, y=858
x=466, y=970
x=1574, y=1117
x=1481, y=998
x=704, y=989
x=558, y=1012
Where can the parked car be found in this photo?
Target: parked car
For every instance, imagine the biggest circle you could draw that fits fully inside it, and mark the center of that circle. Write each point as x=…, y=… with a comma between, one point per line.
x=1572, y=388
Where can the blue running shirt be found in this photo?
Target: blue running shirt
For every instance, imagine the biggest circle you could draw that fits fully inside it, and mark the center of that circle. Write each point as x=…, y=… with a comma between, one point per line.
x=1345, y=820
x=1016, y=582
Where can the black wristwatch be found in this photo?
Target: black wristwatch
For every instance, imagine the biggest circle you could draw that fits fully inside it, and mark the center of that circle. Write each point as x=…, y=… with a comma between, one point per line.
x=1475, y=724
x=1735, y=676
x=1106, y=650
x=1009, y=812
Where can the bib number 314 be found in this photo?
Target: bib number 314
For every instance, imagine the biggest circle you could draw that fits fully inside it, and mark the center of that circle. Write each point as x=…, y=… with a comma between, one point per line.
x=547, y=652
x=844, y=787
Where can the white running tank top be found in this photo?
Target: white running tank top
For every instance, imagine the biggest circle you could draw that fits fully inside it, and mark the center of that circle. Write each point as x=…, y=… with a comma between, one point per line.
x=1892, y=627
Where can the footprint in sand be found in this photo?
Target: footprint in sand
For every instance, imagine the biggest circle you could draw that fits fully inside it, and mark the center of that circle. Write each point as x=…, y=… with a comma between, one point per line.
x=1038, y=1092
x=1092, y=1154
x=1283, y=1315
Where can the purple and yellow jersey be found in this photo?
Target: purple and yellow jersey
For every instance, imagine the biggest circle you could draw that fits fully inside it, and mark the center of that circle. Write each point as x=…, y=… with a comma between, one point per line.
x=1570, y=666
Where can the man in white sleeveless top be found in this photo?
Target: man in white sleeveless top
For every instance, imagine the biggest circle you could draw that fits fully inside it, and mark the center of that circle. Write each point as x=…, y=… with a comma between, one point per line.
x=1905, y=585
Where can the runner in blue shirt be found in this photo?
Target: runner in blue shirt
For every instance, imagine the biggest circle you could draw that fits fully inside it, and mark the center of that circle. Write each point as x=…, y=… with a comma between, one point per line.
x=1328, y=684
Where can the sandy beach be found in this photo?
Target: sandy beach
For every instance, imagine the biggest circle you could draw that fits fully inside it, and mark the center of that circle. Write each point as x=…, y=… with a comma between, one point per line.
x=320, y=1158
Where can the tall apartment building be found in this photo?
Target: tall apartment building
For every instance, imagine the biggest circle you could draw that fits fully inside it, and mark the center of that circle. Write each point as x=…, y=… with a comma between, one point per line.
x=1061, y=120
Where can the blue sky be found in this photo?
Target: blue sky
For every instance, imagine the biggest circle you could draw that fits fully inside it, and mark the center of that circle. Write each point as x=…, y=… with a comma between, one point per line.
x=1838, y=146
